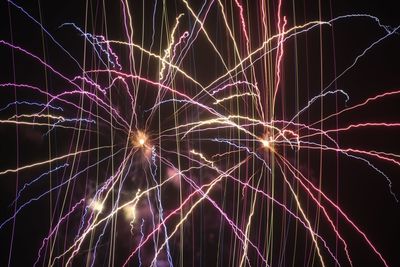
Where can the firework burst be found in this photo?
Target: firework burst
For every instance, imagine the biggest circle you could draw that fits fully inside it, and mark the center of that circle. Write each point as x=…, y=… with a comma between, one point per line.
x=197, y=133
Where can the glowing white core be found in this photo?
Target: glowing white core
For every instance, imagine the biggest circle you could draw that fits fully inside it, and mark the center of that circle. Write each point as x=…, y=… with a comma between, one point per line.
x=265, y=143
x=97, y=206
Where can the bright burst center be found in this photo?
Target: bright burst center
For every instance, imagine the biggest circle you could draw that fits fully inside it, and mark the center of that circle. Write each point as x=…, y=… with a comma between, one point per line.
x=265, y=143
x=96, y=205
x=139, y=139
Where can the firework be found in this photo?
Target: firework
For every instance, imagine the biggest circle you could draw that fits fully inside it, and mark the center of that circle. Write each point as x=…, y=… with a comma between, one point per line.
x=189, y=133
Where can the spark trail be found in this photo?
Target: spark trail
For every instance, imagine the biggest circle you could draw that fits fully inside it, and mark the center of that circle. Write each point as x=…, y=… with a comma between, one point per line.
x=180, y=133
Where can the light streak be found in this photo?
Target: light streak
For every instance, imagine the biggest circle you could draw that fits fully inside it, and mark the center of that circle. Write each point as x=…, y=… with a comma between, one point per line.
x=234, y=96
x=96, y=205
x=19, y=169
x=218, y=147
x=202, y=157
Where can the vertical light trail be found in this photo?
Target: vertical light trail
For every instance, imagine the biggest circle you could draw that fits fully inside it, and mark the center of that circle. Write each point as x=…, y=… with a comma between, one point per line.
x=175, y=133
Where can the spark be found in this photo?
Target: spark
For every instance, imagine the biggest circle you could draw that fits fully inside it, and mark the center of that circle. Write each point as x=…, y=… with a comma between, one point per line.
x=194, y=152
x=139, y=140
x=265, y=143
x=96, y=205
x=148, y=132
x=52, y=160
x=130, y=213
